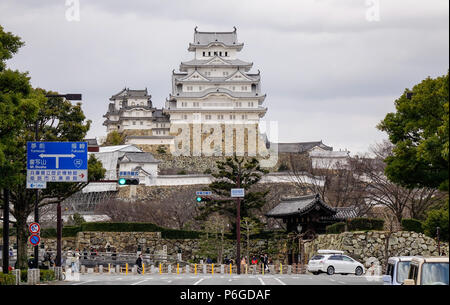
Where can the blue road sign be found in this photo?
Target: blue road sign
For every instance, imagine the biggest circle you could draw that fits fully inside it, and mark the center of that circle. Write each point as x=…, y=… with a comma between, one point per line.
x=57, y=161
x=203, y=193
x=35, y=240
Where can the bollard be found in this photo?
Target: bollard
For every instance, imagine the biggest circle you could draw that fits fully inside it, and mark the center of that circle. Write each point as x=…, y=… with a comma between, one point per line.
x=204, y=269
x=195, y=269
x=126, y=268
x=17, y=275
x=289, y=270
x=152, y=269
x=212, y=268
x=143, y=268
x=118, y=269
x=281, y=268
x=262, y=269
x=169, y=269
x=109, y=268
x=134, y=269
x=160, y=271
x=222, y=269
x=187, y=269
x=83, y=269
x=246, y=269
x=178, y=268
x=100, y=269
x=231, y=269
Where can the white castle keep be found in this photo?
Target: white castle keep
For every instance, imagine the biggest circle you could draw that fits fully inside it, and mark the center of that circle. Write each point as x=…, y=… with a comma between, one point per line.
x=214, y=109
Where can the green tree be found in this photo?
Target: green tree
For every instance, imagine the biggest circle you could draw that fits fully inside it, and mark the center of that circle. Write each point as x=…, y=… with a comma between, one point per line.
x=114, y=138
x=249, y=227
x=437, y=218
x=58, y=120
x=76, y=219
x=248, y=172
x=17, y=106
x=419, y=130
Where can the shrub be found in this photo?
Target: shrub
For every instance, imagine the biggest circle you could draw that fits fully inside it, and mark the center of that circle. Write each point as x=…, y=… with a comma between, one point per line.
x=336, y=228
x=363, y=224
x=412, y=224
x=283, y=167
x=161, y=149
x=437, y=218
x=182, y=172
x=67, y=231
x=139, y=227
x=44, y=275
x=7, y=279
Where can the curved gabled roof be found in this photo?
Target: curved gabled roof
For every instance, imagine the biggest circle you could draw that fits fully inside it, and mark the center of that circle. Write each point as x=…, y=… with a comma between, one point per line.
x=209, y=91
x=224, y=63
x=299, y=206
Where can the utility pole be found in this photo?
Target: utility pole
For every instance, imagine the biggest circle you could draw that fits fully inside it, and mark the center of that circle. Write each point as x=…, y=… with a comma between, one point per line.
x=238, y=224
x=5, y=231
x=59, y=235
x=36, y=203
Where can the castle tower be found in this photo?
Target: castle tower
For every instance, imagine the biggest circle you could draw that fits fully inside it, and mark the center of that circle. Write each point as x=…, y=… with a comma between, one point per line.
x=216, y=103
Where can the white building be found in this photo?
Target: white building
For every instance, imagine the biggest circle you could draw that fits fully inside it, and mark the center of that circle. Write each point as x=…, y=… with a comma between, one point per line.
x=216, y=103
x=131, y=112
x=326, y=159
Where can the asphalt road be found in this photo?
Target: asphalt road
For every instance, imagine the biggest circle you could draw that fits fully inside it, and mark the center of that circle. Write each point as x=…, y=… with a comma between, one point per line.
x=218, y=279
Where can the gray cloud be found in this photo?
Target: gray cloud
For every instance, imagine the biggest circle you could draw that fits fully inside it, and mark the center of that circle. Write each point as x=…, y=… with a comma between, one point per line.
x=328, y=73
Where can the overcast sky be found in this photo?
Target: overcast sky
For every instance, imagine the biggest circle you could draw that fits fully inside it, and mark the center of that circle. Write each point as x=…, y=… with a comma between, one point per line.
x=331, y=69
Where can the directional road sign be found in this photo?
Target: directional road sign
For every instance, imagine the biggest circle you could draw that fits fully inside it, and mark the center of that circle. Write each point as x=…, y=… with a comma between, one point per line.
x=34, y=240
x=36, y=185
x=57, y=161
x=34, y=228
x=237, y=193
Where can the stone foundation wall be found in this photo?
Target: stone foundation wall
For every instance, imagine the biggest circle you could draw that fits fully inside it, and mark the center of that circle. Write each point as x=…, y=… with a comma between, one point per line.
x=363, y=246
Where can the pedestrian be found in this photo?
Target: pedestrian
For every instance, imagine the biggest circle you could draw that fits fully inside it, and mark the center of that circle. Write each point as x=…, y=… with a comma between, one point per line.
x=139, y=264
x=254, y=260
x=31, y=262
x=266, y=262
x=85, y=253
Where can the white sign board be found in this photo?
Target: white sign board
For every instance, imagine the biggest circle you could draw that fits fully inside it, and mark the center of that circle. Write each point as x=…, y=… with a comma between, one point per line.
x=237, y=193
x=36, y=185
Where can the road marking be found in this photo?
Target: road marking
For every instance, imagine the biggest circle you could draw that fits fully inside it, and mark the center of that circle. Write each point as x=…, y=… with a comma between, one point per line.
x=332, y=280
x=137, y=283
x=280, y=281
x=341, y=282
x=198, y=281
x=81, y=283
x=262, y=282
x=169, y=281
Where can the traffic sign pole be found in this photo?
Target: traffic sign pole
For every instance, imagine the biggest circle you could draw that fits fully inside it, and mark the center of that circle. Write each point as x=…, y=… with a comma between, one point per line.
x=36, y=205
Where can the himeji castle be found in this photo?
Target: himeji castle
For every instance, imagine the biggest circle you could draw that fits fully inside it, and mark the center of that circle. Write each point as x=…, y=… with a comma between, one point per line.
x=216, y=103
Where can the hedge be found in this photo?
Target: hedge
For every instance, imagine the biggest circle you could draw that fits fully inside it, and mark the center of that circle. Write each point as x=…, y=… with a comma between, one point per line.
x=363, y=224
x=7, y=279
x=44, y=275
x=67, y=231
x=138, y=227
x=411, y=224
x=336, y=228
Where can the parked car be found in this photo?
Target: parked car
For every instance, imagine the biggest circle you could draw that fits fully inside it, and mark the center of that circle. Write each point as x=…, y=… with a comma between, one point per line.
x=397, y=270
x=334, y=261
x=428, y=271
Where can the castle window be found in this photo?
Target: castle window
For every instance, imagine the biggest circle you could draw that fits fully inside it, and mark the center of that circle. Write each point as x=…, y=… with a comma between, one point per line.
x=207, y=117
x=250, y=104
x=225, y=73
x=220, y=116
x=232, y=117
x=142, y=123
x=215, y=53
x=238, y=104
x=220, y=53
x=244, y=116
x=244, y=88
x=204, y=53
x=134, y=122
x=196, y=104
x=209, y=53
x=226, y=53
x=185, y=116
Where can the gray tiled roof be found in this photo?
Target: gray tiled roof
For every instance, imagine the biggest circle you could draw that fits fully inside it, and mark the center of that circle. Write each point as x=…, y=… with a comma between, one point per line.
x=127, y=92
x=204, y=38
x=138, y=157
x=299, y=206
x=300, y=147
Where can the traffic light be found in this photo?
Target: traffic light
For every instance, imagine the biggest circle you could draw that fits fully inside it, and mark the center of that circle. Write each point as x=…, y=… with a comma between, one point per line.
x=128, y=181
x=203, y=198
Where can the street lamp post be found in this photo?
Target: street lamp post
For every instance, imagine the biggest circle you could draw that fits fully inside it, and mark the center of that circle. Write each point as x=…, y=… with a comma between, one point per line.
x=70, y=97
x=238, y=226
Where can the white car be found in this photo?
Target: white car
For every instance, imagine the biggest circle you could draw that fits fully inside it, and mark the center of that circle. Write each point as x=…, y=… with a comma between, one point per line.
x=334, y=261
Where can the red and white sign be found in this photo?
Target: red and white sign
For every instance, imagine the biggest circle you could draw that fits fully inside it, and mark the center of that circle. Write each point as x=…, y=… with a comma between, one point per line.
x=34, y=228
